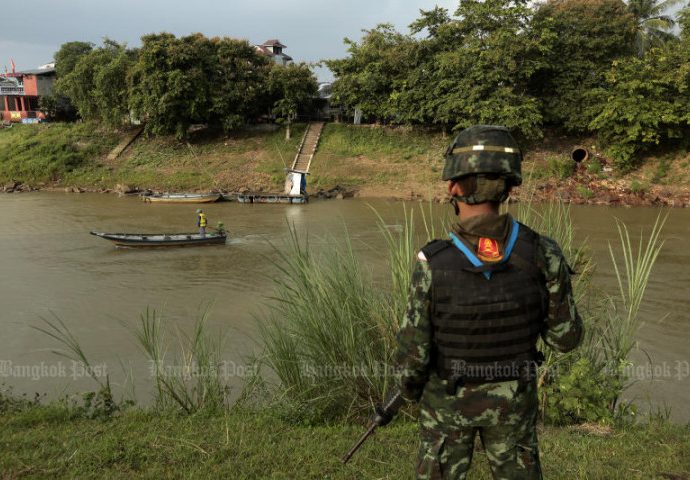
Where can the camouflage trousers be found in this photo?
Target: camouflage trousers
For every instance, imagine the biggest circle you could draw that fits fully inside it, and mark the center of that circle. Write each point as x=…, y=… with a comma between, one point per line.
x=512, y=451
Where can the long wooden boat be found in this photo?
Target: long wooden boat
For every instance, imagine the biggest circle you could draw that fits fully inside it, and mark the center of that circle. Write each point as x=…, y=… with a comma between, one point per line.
x=182, y=198
x=162, y=239
x=271, y=198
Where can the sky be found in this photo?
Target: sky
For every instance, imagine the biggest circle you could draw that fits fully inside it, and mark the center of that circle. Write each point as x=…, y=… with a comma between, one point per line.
x=312, y=29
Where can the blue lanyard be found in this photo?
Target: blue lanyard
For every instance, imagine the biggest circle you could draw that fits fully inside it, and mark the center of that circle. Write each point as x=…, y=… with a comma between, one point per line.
x=512, y=239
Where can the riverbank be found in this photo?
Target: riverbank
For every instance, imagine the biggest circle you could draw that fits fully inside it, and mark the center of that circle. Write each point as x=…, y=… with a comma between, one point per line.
x=355, y=161
x=57, y=442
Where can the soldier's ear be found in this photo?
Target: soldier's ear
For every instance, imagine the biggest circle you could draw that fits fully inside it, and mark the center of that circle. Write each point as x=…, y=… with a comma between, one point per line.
x=454, y=189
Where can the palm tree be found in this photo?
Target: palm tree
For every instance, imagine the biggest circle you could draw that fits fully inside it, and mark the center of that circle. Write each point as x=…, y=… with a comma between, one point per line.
x=654, y=25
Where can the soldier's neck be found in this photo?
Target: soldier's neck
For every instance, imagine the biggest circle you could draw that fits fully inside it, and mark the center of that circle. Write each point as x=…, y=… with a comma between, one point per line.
x=469, y=211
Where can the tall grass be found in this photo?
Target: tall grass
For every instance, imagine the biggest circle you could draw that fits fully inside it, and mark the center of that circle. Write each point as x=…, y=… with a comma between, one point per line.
x=633, y=267
x=189, y=379
x=330, y=334
x=327, y=337
x=352, y=140
x=192, y=378
x=100, y=402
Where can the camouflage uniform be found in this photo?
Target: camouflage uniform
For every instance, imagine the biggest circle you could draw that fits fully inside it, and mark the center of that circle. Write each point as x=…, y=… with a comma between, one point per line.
x=504, y=413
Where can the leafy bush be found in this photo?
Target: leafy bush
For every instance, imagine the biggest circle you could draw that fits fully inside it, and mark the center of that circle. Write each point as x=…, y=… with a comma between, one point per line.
x=594, y=167
x=584, y=192
x=661, y=170
x=646, y=103
x=583, y=393
x=588, y=36
x=561, y=167
x=638, y=187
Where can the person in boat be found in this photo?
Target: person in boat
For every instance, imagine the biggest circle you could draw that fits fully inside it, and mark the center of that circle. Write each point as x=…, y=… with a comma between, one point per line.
x=479, y=301
x=201, y=222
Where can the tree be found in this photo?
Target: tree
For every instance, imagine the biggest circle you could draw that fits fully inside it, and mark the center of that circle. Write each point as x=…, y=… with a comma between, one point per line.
x=647, y=102
x=372, y=72
x=431, y=21
x=292, y=89
x=97, y=84
x=237, y=93
x=111, y=92
x=170, y=83
x=588, y=36
x=178, y=82
x=475, y=68
x=69, y=54
x=653, y=24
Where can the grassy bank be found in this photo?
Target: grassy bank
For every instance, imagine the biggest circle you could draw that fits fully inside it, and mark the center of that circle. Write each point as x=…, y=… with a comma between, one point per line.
x=372, y=162
x=49, y=153
x=55, y=442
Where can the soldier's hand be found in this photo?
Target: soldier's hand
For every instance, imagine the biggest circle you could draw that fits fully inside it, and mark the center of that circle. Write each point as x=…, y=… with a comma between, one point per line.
x=382, y=417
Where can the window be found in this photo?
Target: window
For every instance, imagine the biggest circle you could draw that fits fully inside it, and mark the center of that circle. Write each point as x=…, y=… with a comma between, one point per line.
x=33, y=103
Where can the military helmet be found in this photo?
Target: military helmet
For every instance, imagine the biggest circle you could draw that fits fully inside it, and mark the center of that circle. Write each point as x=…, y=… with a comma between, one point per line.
x=484, y=149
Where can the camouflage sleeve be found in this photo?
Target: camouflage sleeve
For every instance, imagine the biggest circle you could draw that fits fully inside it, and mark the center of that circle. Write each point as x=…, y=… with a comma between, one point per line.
x=564, y=327
x=415, y=335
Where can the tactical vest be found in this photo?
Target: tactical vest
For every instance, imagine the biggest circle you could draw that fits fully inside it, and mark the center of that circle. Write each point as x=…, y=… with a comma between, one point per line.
x=486, y=317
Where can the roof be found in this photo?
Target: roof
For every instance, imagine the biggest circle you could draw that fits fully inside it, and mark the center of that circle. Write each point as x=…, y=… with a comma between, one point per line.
x=273, y=43
x=265, y=51
x=38, y=71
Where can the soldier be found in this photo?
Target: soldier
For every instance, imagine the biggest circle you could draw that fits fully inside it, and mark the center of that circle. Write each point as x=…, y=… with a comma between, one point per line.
x=478, y=303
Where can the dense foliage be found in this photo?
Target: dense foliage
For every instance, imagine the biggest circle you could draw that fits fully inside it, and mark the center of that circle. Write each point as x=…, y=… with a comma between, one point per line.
x=171, y=83
x=290, y=89
x=96, y=83
x=600, y=67
x=614, y=69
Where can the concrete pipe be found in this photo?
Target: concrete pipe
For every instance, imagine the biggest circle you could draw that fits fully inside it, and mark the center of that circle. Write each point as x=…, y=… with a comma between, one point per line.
x=579, y=154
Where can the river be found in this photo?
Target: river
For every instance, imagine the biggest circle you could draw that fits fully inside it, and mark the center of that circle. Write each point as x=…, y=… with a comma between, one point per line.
x=50, y=267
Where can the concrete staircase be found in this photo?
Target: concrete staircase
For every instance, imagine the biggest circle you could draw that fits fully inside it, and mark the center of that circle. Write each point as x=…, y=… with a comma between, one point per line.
x=307, y=148
x=126, y=142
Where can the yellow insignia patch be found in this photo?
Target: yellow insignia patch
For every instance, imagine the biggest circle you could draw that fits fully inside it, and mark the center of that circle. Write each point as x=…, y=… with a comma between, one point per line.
x=488, y=250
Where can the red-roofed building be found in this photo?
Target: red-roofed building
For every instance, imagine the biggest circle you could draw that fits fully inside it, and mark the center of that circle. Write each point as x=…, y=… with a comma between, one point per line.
x=274, y=50
x=21, y=91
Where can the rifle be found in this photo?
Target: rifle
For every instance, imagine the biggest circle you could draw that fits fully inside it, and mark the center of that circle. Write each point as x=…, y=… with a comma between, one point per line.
x=382, y=417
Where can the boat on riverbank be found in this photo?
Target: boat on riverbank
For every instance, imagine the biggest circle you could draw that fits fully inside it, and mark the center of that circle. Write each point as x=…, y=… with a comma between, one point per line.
x=182, y=198
x=271, y=198
x=162, y=239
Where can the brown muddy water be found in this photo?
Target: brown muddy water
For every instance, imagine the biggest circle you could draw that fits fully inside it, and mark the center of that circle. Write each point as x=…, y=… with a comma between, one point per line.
x=51, y=267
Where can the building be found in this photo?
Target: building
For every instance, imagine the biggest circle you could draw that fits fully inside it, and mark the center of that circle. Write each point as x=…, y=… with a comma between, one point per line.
x=324, y=107
x=273, y=49
x=20, y=93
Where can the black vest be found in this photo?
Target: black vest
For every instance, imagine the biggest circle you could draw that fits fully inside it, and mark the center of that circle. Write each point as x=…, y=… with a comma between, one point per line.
x=486, y=329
